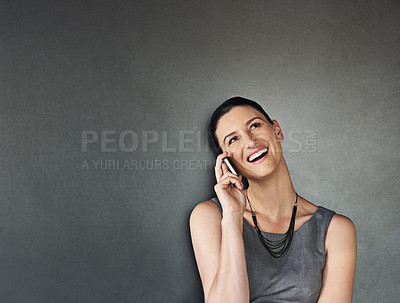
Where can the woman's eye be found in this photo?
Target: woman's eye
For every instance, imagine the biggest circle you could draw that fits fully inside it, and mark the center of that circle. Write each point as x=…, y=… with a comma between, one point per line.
x=254, y=125
x=231, y=140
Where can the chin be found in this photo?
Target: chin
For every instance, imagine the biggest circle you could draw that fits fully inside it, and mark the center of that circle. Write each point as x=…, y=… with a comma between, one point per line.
x=259, y=173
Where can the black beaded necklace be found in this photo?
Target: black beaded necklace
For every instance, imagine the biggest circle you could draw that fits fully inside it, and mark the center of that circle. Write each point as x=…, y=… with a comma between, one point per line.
x=277, y=248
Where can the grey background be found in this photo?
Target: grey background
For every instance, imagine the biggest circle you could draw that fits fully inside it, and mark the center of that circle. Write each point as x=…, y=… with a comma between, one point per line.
x=328, y=71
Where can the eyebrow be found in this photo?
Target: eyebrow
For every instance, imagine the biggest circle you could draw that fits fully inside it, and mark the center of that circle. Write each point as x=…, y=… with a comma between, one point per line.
x=247, y=123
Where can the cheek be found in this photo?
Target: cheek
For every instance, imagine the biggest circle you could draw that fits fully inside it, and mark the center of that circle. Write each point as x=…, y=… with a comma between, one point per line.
x=232, y=148
x=234, y=151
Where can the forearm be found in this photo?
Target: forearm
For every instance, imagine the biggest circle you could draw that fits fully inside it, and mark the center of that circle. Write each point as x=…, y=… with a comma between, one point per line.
x=231, y=283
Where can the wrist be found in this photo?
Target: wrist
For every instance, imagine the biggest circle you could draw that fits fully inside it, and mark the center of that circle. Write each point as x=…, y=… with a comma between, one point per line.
x=232, y=218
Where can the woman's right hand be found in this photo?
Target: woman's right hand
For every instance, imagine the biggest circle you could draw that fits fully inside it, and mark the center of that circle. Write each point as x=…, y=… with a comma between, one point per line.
x=232, y=198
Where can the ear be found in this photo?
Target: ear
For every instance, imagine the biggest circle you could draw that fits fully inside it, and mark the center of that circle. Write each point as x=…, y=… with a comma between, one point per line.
x=277, y=129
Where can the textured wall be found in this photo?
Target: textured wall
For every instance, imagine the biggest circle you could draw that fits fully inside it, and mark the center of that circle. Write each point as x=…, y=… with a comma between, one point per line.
x=103, y=106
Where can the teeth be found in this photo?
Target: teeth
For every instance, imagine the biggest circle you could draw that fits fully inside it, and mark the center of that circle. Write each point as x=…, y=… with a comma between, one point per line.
x=257, y=154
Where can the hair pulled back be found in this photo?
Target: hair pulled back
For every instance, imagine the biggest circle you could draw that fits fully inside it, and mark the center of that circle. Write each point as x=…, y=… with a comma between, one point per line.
x=225, y=108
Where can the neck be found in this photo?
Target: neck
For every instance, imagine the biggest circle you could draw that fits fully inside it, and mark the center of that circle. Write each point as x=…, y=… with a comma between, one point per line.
x=273, y=195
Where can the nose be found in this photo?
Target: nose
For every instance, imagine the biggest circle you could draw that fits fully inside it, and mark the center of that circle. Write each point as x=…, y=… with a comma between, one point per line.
x=250, y=141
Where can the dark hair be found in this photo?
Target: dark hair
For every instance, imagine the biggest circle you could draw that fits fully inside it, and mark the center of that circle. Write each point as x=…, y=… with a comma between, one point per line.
x=225, y=108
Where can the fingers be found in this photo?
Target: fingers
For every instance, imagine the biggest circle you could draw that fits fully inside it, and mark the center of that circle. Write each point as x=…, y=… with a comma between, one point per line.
x=220, y=167
x=229, y=178
x=229, y=187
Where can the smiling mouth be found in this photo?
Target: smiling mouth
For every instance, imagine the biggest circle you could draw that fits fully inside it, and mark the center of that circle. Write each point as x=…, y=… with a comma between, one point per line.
x=258, y=155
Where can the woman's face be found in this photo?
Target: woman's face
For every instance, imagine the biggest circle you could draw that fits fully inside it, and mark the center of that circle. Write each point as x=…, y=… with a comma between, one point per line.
x=252, y=143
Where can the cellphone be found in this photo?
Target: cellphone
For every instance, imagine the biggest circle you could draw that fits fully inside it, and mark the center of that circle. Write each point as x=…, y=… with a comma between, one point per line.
x=230, y=166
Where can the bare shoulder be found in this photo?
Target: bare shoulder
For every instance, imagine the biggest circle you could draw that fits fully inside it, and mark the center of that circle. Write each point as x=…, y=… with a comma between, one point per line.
x=207, y=211
x=341, y=225
x=341, y=232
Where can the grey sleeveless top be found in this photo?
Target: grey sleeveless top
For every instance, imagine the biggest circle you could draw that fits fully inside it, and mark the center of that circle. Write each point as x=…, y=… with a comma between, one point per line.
x=297, y=276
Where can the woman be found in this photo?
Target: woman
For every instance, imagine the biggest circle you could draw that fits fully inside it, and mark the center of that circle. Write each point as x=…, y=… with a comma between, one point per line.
x=241, y=240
